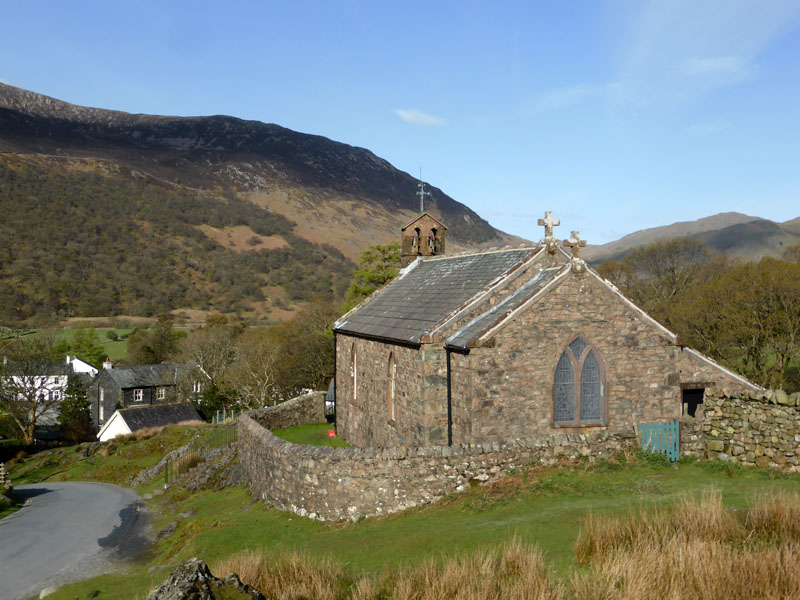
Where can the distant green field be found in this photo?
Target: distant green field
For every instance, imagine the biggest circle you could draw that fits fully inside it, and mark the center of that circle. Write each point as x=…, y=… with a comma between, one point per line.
x=115, y=350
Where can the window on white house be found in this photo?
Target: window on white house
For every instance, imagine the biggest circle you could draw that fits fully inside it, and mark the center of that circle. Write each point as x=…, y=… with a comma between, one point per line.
x=161, y=393
x=197, y=387
x=138, y=395
x=56, y=395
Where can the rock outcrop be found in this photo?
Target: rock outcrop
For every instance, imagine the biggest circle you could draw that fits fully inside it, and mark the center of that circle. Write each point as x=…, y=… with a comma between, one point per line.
x=194, y=581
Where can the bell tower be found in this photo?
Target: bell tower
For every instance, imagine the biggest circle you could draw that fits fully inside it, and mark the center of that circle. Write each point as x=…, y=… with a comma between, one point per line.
x=422, y=236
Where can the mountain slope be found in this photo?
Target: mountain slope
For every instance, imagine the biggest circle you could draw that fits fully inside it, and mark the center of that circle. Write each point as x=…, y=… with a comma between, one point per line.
x=113, y=213
x=731, y=233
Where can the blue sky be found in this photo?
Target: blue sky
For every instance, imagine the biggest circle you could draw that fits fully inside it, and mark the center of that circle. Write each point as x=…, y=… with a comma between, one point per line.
x=615, y=115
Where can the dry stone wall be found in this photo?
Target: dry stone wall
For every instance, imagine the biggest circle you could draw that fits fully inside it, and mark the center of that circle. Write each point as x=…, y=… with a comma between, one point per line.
x=308, y=408
x=352, y=483
x=760, y=428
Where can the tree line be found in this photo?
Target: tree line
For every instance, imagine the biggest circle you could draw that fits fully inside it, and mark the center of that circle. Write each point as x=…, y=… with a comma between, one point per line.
x=745, y=315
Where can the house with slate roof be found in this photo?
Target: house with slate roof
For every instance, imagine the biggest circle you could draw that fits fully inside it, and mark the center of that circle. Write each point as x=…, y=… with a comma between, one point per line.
x=141, y=385
x=136, y=418
x=508, y=343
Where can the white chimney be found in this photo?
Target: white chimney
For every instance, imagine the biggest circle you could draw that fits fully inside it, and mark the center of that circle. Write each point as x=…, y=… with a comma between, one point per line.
x=107, y=365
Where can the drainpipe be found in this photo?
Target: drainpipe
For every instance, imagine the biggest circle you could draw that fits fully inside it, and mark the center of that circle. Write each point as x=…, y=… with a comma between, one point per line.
x=449, y=403
x=335, y=344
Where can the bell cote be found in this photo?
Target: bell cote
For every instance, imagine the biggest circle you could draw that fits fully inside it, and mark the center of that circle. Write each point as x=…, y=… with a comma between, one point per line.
x=422, y=236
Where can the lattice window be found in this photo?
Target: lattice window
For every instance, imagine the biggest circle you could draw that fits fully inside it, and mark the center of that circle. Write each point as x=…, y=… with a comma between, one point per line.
x=578, y=386
x=564, y=390
x=591, y=389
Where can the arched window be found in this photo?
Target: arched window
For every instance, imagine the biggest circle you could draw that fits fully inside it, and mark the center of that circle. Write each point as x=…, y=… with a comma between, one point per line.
x=432, y=240
x=354, y=370
x=391, y=388
x=415, y=240
x=579, y=386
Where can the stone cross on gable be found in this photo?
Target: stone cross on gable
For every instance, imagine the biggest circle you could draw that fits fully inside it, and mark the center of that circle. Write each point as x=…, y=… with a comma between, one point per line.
x=575, y=242
x=549, y=240
x=549, y=222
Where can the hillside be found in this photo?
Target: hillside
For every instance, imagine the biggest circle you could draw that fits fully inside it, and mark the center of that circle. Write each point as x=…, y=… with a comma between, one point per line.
x=110, y=213
x=731, y=233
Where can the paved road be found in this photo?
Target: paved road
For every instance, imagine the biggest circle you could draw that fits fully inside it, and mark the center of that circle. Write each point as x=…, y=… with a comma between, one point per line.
x=68, y=531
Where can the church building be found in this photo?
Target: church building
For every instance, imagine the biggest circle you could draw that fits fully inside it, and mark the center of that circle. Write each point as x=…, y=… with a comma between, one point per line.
x=489, y=346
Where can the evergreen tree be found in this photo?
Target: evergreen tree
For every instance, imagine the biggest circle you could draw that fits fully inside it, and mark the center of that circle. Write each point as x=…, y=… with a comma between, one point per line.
x=377, y=265
x=86, y=346
x=75, y=415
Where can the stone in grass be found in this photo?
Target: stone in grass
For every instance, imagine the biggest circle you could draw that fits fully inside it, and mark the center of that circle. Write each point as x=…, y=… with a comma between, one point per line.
x=193, y=581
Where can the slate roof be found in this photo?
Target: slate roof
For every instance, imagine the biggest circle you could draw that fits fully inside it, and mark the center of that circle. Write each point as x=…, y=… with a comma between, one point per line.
x=158, y=415
x=417, y=301
x=461, y=339
x=142, y=376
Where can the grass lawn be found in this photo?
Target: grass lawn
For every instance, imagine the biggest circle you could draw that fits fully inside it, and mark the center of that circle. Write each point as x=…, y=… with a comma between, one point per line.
x=315, y=434
x=545, y=506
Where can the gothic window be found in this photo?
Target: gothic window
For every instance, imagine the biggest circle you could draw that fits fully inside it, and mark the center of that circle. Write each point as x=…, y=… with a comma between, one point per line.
x=578, y=386
x=391, y=388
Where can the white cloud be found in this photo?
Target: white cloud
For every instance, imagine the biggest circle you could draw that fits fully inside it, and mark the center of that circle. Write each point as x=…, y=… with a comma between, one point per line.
x=730, y=69
x=683, y=49
x=418, y=117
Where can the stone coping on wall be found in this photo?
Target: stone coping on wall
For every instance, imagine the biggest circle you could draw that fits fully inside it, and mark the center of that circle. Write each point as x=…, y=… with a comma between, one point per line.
x=352, y=483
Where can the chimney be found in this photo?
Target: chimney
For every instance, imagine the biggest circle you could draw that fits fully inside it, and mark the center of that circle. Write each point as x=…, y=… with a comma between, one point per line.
x=107, y=364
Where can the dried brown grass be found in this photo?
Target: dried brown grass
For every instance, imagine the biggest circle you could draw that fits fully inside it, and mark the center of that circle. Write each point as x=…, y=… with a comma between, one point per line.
x=688, y=521
x=288, y=577
x=696, y=570
x=514, y=572
x=697, y=550
x=775, y=518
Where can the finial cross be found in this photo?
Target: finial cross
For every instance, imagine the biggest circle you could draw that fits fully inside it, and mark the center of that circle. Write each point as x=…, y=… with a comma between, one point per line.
x=576, y=243
x=549, y=222
x=421, y=192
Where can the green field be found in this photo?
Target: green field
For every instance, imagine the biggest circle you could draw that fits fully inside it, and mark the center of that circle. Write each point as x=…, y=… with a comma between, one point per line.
x=315, y=434
x=543, y=506
x=114, y=349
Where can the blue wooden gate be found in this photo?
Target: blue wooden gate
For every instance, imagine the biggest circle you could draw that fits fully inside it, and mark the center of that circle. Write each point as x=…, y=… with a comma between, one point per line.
x=664, y=438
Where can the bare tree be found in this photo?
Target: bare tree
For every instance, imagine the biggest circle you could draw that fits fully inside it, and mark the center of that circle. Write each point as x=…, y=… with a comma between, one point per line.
x=213, y=349
x=253, y=376
x=30, y=392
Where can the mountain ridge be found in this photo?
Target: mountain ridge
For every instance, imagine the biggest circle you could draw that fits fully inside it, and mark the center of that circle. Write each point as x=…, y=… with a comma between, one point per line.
x=732, y=233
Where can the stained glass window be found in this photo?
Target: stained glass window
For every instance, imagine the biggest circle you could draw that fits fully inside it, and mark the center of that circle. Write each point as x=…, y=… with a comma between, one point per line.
x=564, y=390
x=578, y=386
x=591, y=389
x=577, y=346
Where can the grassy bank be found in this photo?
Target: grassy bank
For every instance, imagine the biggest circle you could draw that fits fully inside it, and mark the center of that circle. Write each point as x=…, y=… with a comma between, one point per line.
x=541, y=508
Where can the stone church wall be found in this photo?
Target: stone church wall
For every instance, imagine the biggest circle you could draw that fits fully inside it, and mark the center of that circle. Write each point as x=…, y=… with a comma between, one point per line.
x=509, y=387
x=363, y=418
x=352, y=483
x=760, y=428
